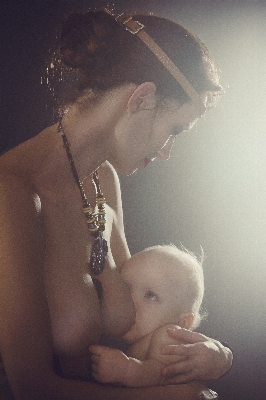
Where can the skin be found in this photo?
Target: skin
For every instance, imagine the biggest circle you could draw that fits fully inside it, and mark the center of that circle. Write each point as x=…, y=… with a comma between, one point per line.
x=139, y=366
x=158, y=290
x=48, y=304
x=157, y=280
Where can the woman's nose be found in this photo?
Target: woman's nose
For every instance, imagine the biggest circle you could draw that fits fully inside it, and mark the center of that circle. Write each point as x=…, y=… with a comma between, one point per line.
x=165, y=151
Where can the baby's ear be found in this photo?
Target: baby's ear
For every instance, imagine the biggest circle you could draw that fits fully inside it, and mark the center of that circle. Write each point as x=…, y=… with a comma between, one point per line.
x=185, y=320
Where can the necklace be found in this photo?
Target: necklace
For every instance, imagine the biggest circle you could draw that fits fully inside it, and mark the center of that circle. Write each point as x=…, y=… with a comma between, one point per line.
x=95, y=221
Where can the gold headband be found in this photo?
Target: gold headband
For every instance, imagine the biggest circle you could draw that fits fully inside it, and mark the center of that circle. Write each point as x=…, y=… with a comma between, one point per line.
x=136, y=28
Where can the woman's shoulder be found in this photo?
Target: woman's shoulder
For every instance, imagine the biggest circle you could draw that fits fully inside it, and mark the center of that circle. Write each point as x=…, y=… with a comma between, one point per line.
x=13, y=185
x=12, y=175
x=19, y=203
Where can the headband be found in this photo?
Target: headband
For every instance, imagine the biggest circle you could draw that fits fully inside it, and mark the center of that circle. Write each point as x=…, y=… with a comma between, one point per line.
x=136, y=28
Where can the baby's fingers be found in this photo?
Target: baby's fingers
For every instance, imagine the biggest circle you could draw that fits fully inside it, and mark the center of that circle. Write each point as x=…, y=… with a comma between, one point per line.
x=96, y=349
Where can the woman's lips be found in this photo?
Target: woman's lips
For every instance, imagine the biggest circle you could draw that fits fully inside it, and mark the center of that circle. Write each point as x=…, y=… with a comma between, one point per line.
x=146, y=161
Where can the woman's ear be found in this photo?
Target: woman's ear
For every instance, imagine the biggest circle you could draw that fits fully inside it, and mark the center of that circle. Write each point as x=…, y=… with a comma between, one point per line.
x=185, y=320
x=143, y=98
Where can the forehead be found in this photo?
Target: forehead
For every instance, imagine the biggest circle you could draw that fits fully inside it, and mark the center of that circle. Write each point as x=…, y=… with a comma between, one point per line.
x=154, y=266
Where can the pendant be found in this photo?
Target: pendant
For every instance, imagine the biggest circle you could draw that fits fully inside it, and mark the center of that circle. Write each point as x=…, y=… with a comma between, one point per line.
x=98, y=254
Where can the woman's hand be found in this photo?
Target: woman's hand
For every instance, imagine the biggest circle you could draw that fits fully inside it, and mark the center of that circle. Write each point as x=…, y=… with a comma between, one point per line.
x=206, y=358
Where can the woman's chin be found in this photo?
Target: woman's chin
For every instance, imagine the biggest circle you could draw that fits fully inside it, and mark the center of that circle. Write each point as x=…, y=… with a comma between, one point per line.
x=126, y=170
x=146, y=162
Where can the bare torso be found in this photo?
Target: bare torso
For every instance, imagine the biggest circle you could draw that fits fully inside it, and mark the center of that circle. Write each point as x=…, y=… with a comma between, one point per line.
x=76, y=315
x=73, y=302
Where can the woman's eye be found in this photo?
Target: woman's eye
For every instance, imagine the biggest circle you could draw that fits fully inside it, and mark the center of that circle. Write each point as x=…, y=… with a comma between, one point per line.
x=151, y=296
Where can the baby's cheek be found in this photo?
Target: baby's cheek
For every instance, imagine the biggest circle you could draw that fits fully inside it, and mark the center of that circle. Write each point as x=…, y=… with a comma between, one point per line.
x=147, y=324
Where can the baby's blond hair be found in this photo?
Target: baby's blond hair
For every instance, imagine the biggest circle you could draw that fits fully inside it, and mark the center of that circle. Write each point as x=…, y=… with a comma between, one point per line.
x=193, y=285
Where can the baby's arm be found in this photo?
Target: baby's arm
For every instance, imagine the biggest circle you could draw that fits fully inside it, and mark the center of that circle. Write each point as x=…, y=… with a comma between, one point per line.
x=113, y=366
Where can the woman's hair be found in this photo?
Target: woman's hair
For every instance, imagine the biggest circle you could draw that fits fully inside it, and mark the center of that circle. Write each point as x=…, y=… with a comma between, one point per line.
x=104, y=55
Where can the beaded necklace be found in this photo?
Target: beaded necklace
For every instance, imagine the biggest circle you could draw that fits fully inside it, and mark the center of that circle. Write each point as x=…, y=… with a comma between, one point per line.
x=95, y=221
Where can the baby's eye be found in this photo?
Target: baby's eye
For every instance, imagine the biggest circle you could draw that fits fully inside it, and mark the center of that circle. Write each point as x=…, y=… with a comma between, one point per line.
x=152, y=296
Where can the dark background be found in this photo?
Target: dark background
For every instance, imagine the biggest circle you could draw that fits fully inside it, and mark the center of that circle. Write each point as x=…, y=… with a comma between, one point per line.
x=211, y=193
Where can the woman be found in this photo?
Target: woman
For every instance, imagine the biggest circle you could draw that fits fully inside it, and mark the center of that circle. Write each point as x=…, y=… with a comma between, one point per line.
x=60, y=284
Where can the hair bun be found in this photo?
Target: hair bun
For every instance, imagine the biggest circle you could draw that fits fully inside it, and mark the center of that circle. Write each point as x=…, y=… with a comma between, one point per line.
x=75, y=35
x=84, y=38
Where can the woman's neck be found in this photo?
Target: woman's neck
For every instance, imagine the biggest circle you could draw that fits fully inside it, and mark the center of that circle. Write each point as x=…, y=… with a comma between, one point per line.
x=91, y=132
x=88, y=140
x=42, y=160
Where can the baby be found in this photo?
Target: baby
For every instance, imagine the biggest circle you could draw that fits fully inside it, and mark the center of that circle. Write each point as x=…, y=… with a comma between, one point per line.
x=167, y=288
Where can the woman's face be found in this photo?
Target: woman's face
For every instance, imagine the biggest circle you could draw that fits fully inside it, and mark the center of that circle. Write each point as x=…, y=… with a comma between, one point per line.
x=150, y=134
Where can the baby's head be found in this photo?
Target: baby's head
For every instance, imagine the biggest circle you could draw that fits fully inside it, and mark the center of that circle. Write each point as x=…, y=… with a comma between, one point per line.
x=166, y=286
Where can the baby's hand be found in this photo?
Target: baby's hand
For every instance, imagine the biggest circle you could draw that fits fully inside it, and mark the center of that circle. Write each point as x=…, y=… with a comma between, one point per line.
x=108, y=365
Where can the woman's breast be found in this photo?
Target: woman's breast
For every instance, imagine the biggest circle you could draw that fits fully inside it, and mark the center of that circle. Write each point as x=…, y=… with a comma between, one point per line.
x=72, y=299
x=73, y=305
x=77, y=317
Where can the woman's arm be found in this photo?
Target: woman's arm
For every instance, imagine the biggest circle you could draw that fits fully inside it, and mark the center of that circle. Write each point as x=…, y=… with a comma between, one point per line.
x=111, y=188
x=206, y=358
x=117, y=307
x=25, y=335
x=205, y=361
